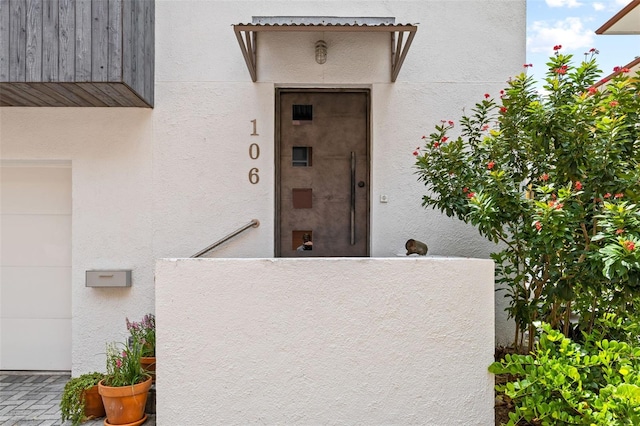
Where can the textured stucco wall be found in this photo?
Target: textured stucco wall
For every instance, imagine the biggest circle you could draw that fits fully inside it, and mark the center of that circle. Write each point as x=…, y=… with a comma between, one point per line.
x=167, y=182
x=325, y=341
x=112, y=215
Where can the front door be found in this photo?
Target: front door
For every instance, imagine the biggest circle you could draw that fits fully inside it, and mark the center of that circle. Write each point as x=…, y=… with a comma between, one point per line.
x=322, y=173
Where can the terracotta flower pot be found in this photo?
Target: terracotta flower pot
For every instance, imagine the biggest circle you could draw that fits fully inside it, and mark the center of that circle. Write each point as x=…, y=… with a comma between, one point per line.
x=124, y=405
x=149, y=365
x=93, y=406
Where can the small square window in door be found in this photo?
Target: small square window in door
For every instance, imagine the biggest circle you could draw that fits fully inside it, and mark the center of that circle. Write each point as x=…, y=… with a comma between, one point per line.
x=302, y=114
x=302, y=198
x=301, y=156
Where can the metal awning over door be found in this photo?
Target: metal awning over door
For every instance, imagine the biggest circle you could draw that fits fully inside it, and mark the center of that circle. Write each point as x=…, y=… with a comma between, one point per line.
x=247, y=34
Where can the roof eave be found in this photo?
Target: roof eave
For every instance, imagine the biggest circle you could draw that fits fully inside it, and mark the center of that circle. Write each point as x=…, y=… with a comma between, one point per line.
x=609, y=27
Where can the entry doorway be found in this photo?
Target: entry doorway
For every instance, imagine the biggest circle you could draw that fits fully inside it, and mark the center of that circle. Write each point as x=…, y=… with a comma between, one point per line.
x=322, y=172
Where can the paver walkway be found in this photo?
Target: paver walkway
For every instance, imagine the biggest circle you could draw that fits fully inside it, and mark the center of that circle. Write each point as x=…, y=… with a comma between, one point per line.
x=28, y=399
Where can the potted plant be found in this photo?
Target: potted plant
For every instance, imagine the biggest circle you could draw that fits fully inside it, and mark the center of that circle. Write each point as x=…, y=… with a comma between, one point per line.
x=145, y=332
x=125, y=388
x=80, y=399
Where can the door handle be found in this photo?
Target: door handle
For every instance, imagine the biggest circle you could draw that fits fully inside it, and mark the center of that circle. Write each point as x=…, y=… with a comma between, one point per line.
x=353, y=198
x=361, y=184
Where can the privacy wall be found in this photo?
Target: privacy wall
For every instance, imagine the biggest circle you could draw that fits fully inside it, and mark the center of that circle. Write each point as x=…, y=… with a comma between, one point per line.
x=327, y=341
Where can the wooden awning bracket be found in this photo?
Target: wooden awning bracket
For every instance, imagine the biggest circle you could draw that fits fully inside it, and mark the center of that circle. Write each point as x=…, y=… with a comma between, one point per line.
x=399, y=51
x=247, y=34
x=247, y=40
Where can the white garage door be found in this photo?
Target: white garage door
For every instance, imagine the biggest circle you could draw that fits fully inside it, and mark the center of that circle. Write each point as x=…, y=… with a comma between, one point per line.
x=35, y=266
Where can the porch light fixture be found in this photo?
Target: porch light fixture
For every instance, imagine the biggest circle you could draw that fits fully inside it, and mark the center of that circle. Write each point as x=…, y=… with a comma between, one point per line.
x=321, y=52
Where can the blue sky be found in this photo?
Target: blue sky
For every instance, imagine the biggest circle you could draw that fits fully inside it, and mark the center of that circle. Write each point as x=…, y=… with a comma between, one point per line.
x=572, y=24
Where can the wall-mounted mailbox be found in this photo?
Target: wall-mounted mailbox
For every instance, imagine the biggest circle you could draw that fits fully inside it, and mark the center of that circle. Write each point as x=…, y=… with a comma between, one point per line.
x=109, y=278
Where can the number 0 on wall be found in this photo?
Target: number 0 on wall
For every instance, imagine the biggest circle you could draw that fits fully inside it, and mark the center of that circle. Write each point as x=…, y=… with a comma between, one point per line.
x=254, y=151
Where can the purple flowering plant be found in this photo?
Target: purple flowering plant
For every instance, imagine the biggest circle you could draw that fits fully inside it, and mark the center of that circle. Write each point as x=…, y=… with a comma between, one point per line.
x=144, y=332
x=123, y=364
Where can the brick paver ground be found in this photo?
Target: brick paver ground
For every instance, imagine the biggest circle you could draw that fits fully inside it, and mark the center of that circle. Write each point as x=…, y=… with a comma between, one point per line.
x=28, y=399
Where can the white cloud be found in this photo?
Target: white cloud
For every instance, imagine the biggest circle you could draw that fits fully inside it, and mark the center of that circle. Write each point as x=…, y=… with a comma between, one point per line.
x=563, y=3
x=569, y=32
x=612, y=6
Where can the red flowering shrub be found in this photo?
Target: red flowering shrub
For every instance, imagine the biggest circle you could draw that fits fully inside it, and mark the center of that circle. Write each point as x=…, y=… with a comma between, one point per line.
x=535, y=172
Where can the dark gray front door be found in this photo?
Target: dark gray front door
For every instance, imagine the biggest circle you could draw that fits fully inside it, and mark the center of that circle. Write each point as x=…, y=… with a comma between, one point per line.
x=322, y=173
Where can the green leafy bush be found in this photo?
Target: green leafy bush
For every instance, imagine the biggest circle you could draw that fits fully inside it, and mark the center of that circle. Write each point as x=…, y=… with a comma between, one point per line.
x=72, y=402
x=554, y=177
x=564, y=383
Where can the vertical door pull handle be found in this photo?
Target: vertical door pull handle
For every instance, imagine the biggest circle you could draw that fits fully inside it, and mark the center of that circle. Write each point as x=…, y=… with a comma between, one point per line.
x=353, y=198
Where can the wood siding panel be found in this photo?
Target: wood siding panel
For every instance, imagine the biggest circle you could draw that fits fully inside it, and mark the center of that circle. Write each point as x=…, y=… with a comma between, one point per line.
x=132, y=97
x=67, y=40
x=91, y=96
x=8, y=94
x=77, y=52
x=12, y=96
x=48, y=90
x=83, y=40
x=20, y=91
x=69, y=95
x=149, y=49
x=68, y=90
x=114, y=71
x=34, y=41
x=4, y=40
x=116, y=95
x=94, y=90
x=50, y=40
x=18, y=40
x=112, y=93
x=33, y=90
x=99, y=40
x=127, y=42
x=138, y=51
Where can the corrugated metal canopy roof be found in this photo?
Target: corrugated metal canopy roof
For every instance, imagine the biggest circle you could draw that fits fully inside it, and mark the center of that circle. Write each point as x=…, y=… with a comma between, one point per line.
x=321, y=20
x=399, y=47
x=338, y=23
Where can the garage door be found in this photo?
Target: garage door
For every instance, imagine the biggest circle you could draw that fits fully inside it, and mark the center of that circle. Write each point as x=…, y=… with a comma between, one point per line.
x=35, y=266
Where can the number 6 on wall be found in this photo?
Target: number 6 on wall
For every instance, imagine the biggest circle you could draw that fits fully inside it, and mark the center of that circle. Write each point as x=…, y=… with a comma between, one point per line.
x=253, y=176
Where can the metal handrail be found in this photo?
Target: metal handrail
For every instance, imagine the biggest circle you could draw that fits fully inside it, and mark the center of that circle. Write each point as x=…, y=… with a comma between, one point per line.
x=253, y=224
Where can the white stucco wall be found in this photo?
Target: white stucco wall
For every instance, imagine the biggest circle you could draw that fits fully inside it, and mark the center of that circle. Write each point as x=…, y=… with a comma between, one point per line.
x=167, y=182
x=325, y=341
x=112, y=215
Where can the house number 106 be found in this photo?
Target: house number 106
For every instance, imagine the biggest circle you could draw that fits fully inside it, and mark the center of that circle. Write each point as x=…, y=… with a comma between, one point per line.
x=254, y=154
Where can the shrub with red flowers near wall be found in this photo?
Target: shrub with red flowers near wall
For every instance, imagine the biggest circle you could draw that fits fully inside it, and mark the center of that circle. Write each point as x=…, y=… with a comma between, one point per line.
x=535, y=173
